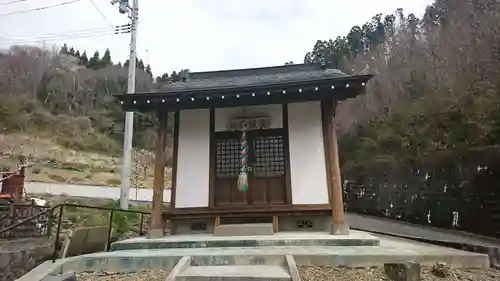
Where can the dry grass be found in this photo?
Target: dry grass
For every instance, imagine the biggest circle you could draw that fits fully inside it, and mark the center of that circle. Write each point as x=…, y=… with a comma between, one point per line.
x=54, y=163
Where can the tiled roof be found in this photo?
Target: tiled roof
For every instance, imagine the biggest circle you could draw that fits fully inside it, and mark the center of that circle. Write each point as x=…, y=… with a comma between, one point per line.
x=253, y=77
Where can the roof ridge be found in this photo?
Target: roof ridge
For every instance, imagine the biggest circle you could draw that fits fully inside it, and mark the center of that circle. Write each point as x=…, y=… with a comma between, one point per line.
x=258, y=71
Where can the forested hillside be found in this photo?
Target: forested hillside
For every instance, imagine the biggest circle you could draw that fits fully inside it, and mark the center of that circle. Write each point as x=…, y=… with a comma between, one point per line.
x=57, y=109
x=436, y=85
x=69, y=94
x=422, y=145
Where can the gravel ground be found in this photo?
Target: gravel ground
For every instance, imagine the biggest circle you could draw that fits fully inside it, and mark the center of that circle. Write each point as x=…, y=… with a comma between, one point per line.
x=314, y=273
x=158, y=275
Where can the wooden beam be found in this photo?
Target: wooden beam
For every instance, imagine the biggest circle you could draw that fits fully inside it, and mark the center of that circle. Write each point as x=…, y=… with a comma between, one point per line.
x=326, y=112
x=156, y=227
x=339, y=226
x=175, y=159
x=213, y=160
x=276, y=224
x=286, y=139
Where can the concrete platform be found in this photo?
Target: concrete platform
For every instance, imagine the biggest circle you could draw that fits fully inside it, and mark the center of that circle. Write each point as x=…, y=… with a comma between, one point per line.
x=244, y=229
x=390, y=250
x=355, y=238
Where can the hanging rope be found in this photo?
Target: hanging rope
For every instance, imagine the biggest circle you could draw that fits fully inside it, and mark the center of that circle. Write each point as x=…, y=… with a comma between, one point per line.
x=243, y=177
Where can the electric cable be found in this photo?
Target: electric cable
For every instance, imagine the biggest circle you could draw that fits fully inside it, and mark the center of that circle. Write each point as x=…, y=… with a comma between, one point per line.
x=40, y=8
x=63, y=33
x=69, y=34
x=12, y=2
x=102, y=14
x=59, y=38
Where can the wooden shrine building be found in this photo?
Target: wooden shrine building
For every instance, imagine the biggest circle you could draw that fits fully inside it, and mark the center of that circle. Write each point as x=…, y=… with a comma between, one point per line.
x=291, y=158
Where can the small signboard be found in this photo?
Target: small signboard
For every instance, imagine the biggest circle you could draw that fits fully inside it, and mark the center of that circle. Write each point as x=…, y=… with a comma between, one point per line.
x=249, y=123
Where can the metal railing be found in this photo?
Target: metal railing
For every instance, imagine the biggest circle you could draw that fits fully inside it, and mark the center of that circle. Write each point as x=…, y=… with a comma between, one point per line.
x=42, y=223
x=13, y=213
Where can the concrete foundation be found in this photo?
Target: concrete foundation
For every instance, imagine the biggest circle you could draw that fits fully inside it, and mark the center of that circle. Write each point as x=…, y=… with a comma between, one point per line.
x=307, y=249
x=244, y=229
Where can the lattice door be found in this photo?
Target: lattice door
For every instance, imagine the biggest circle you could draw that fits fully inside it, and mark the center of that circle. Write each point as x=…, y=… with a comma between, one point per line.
x=266, y=172
x=228, y=158
x=268, y=156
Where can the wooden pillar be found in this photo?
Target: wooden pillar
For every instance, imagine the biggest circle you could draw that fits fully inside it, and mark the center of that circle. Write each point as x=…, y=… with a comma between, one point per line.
x=156, y=227
x=339, y=226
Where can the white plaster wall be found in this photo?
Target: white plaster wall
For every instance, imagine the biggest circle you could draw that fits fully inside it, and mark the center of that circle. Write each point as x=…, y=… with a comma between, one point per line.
x=307, y=156
x=193, y=159
x=223, y=116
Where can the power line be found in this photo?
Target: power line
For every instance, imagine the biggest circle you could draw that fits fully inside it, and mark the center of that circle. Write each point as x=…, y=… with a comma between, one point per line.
x=12, y=2
x=119, y=29
x=39, y=9
x=63, y=33
x=64, y=37
x=61, y=38
x=102, y=14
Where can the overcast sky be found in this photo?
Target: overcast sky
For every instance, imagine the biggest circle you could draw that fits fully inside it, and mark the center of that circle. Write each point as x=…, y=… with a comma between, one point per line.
x=197, y=34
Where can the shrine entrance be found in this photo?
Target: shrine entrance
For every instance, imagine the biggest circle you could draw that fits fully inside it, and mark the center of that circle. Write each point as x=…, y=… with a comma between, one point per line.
x=266, y=168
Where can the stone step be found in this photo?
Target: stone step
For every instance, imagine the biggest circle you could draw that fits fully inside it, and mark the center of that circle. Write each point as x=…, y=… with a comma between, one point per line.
x=196, y=241
x=244, y=229
x=234, y=272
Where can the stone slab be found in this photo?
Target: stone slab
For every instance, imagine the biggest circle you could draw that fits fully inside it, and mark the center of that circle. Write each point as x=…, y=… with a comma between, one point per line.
x=292, y=268
x=182, y=265
x=235, y=272
x=244, y=229
x=355, y=238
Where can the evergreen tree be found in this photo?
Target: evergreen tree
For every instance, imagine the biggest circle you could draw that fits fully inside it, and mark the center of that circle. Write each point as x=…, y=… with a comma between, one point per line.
x=148, y=70
x=106, y=59
x=175, y=77
x=95, y=61
x=77, y=54
x=64, y=49
x=84, y=60
x=140, y=64
x=72, y=51
x=162, y=79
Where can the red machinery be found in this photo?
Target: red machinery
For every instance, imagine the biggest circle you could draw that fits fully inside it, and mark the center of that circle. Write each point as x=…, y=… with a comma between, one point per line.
x=13, y=183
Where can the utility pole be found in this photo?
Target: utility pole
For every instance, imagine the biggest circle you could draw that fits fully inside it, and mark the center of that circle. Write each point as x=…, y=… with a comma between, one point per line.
x=123, y=8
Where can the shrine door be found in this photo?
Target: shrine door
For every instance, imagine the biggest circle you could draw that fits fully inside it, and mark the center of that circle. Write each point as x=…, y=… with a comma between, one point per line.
x=266, y=168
